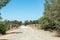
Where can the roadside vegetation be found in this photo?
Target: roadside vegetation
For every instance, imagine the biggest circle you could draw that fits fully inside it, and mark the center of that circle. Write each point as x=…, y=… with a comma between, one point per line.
x=3, y=25
x=49, y=21
x=51, y=18
x=32, y=23
x=6, y=24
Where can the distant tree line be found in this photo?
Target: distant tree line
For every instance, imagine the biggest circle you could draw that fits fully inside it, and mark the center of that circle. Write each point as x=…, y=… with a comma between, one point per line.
x=30, y=22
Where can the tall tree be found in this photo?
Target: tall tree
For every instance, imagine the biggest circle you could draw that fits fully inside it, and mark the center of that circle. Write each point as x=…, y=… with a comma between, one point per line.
x=3, y=3
x=52, y=14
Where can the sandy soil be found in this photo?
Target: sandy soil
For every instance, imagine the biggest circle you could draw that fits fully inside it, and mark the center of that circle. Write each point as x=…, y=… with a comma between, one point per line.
x=28, y=33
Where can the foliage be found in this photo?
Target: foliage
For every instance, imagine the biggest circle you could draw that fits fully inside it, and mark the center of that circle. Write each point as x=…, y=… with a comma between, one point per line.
x=3, y=25
x=3, y=3
x=30, y=22
x=26, y=22
x=3, y=28
x=51, y=18
x=0, y=17
x=16, y=22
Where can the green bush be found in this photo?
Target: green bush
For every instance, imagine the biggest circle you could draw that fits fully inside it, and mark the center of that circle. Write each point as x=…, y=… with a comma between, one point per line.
x=47, y=24
x=3, y=28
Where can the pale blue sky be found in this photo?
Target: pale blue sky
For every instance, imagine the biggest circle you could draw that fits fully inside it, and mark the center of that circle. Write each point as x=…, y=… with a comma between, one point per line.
x=23, y=10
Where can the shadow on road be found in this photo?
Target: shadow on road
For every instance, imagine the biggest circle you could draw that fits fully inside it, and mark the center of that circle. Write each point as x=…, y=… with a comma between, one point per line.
x=57, y=35
x=3, y=39
x=14, y=33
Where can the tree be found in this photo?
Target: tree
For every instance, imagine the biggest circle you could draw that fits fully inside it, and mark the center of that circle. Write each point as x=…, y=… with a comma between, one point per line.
x=3, y=25
x=26, y=22
x=20, y=23
x=3, y=3
x=51, y=14
x=0, y=17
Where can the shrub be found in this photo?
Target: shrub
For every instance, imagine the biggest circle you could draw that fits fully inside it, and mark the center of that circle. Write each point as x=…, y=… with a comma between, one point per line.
x=3, y=28
x=47, y=24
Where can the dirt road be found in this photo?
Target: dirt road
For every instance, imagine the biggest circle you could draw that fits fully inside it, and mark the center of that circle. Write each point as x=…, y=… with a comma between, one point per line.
x=28, y=33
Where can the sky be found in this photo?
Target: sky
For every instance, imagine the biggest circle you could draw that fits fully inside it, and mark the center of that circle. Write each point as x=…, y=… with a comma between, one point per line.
x=23, y=10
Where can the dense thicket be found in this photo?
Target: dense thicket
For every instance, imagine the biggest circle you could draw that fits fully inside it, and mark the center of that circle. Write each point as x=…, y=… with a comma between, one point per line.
x=51, y=17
